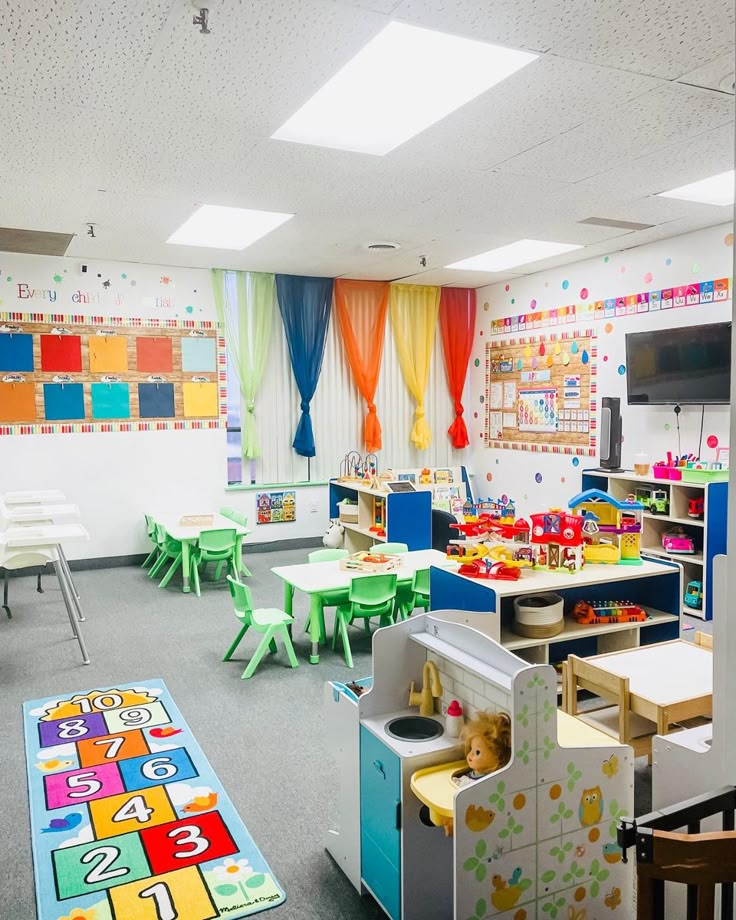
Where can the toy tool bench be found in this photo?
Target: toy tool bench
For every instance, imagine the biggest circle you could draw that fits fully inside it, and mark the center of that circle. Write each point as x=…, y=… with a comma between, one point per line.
x=534, y=839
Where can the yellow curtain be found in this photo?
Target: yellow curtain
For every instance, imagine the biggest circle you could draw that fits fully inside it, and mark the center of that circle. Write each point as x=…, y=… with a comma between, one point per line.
x=413, y=309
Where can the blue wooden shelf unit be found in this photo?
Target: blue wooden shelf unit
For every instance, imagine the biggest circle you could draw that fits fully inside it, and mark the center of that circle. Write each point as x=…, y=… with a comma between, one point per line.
x=408, y=516
x=708, y=531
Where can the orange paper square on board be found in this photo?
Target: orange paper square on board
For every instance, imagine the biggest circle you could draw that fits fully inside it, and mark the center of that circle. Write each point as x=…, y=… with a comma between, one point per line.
x=17, y=402
x=108, y=354
x=154, y=354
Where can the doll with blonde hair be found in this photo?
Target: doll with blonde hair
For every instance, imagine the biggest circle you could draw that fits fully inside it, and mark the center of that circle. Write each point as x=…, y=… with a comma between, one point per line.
x=487, y=742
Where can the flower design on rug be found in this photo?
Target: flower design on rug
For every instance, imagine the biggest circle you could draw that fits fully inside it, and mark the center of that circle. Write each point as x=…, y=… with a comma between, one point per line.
x=78, y=913
x=233, y=869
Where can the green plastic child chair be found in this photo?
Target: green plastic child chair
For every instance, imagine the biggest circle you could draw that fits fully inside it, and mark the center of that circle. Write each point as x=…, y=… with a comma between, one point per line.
x=268, y=621
x=418, y=595
x=169, y=549
x=327, y=598
x=218, y=546
x=369, y=596
x=151, y=532
x=390, y=549
x=242, y=519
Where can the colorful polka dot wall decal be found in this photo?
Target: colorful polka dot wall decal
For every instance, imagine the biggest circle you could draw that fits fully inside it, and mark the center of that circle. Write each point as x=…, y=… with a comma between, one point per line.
x=513, y=300
x=695, y=268
x=565, y=284
x=622, y=269
x=58, y=278
x=508, y=287
x=622, y=369
x=728, y=239
x=575, y=461
x=583, y=293
x=477, y=362
x=538, y=477
x=668, y=261
x=562, y=478
x=191, y=310
x=498, y=461
x=489, y=477
x=605, y=357
x=475, y=415
x=124, y=276
x=482, y=400
x=666, y=426
x=648, y=278
x=481, y=332
x=609, y=328
x=712, y=441
x=606, y=259
x=486, y=306
x=532, y=304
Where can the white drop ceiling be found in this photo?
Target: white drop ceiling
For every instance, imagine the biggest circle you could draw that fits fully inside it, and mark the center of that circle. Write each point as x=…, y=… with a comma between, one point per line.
x=121, y=113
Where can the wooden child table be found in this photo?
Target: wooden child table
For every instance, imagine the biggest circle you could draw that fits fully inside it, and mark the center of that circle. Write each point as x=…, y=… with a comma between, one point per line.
x=669, y=682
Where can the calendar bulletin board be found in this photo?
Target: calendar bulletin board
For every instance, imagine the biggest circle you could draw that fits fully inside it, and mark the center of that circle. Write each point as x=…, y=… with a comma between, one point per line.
x=541, y=393
x=64, y=374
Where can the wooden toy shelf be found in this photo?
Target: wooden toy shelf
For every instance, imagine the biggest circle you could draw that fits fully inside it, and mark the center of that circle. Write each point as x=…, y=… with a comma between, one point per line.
x=708, y=533
x=655, y=585
x=408, y=516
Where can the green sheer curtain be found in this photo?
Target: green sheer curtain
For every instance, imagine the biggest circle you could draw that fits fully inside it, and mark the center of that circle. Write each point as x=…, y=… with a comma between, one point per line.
x=248, y=337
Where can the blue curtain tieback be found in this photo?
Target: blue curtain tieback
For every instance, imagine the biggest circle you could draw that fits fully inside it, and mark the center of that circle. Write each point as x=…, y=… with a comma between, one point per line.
x=305, y=407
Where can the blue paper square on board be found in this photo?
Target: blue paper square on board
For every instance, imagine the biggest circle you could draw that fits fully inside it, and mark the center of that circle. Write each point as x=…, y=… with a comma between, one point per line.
x=156, y=400
x=110, y=400
x=197, y=354
x=63, y=401
x=16, y=351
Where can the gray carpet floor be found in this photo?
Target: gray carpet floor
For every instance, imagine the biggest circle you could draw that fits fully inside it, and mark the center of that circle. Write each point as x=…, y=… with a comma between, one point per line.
x=262, y=736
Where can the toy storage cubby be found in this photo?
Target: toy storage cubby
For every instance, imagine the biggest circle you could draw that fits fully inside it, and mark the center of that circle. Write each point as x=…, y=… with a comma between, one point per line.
x=708, y=532
x=407, y=516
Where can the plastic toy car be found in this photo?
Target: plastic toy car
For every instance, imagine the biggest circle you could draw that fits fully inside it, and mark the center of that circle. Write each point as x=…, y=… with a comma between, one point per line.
x=696, y=508
x=677, y=541
x=694, y=595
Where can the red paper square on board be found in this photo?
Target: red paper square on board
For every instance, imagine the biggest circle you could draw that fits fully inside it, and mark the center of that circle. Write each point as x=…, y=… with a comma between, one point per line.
x=61, y=353
x=154, y=354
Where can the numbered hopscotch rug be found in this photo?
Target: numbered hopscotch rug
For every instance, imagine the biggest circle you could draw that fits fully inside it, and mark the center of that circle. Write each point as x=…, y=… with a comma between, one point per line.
x=129, y=821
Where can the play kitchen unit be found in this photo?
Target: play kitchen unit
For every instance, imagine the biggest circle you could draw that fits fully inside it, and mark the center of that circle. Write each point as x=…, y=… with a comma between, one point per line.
x=534, y=839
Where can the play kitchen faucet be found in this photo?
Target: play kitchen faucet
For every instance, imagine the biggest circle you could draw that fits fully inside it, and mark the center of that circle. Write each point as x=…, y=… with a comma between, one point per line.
x=431, y=687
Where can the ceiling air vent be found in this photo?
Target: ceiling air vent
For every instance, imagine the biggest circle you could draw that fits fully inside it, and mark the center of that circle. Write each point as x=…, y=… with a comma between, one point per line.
x=34, y=242
x=615, y=224
x=382, y=246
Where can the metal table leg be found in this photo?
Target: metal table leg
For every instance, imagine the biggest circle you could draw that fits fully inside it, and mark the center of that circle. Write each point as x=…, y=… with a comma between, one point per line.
x=5, y=595
x=70, y=602
x=38, y=583
x=70, y=580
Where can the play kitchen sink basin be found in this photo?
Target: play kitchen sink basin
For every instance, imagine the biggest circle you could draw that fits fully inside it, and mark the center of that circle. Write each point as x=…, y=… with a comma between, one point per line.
x=414, y=728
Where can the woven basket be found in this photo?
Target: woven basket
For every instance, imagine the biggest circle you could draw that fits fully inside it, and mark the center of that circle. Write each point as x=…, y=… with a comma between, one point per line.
x=539, y=616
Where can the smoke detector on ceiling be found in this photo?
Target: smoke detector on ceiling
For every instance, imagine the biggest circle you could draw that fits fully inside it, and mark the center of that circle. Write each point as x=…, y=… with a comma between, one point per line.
x=382, y=246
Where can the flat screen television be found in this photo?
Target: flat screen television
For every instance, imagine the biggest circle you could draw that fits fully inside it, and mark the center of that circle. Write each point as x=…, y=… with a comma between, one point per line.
x=691, y=365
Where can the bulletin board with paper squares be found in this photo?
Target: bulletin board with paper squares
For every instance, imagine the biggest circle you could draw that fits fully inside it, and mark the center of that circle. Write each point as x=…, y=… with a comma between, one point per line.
x=65, y=374
x=541, y=393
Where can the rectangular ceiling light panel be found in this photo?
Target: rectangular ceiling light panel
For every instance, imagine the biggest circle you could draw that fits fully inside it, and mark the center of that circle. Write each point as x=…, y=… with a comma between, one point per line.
x=404, y=80
x=219, y=227
x=714, y=190
x=522, y=252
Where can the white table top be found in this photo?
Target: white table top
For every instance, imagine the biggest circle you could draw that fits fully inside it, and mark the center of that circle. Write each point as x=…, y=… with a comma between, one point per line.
x=42, y=534
x=170, y=522
x=663, y=673
x=33, y=497
x=313, y=577
x=53, y=514
x=591, y=574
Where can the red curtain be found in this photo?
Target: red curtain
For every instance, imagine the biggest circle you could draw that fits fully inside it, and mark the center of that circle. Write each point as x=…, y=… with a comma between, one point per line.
x=457, y=322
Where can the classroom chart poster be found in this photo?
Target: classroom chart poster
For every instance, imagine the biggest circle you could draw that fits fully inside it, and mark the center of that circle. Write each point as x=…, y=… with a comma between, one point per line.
x=129, y=820
x=537, y=410
x=276, y=507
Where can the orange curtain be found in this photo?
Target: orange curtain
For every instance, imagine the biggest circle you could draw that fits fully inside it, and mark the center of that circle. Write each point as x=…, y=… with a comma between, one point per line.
x=457, y=322
x=361, y=311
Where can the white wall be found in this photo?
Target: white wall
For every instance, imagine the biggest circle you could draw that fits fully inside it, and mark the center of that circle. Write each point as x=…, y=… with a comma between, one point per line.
x=116, y=477
x=702, y=256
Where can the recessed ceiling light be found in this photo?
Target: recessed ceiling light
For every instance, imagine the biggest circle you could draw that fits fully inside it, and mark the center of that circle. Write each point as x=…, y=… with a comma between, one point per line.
x=404, y=80
x=714, y=190
x=219, y=227
x=519, y=253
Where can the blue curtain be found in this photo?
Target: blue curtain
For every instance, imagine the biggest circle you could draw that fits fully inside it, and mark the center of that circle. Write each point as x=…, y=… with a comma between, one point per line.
x=305, y=305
